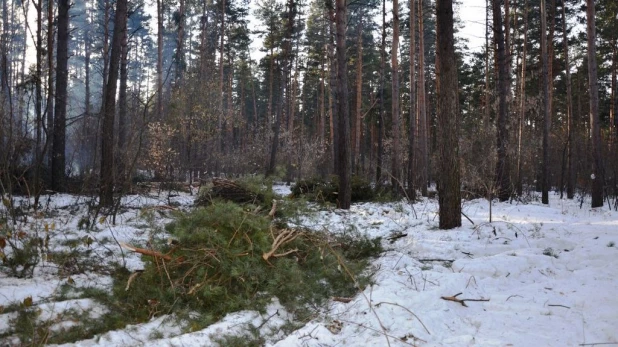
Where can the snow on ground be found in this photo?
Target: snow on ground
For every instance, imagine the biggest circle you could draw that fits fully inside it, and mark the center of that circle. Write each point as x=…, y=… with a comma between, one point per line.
x=547, y=276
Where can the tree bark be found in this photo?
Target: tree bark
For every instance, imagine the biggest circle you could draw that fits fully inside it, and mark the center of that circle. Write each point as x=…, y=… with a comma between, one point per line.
x=343, y=110
x=502, y=165
x=546, y=107
x=422, y=107
x=49, y=107
x=38, y=106
x=160, y=60
x=359, y=100
x=60, y=110
x=598, y=175
x=109, y=109
x=381, y=113
x=449, y=191
x=570, y=168
x=396, y=120
x=412, y=111
x=122, y=107
x=522, y=104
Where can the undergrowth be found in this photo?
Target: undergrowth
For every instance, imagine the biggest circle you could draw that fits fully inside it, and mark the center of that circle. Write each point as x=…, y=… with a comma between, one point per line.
x=326, y=191
x=222, y=259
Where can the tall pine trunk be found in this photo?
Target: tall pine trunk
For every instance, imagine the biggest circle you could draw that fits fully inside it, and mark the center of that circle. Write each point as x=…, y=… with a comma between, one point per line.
x=412, y=111
x=109, y=108
x=396, y=121
x=60, y=110
x=502, y=165
x=522, y=104
x=343, y=110
x=598, y=175
x=570, y=167
x=356, y=134
x=546, y=107
x=422, y=106
x=449, y=190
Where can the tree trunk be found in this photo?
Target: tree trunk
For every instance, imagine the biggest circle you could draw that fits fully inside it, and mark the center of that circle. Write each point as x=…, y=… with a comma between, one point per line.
x=122, y=107
x=422, y=107
x=180, y=55
x=356, y=135
x=449, y=191
x=49, y=107
x=522, y=104
x=487, y=108
x=160, y=60
x=502, y=165
x=220, y=129
x=381, y=115
x=396, y=121
x=598, y=176
x=546, y=107
x=570, y=172
x=60, y=110
x=412, y=112
x=38, y=106
x=334, y=97
x=343, y=110
x=109, y=108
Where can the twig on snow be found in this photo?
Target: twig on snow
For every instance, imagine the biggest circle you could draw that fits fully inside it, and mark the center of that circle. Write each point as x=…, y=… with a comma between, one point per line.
x=405, y=308
x=461, y=301
x=557, y=305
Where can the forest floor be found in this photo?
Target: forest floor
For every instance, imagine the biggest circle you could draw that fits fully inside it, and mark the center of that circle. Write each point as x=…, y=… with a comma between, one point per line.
x=538, y=275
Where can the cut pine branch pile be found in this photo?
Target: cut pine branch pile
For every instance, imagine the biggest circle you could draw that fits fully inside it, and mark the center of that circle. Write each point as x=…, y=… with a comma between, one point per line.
x=229, y=190
x=226, y=257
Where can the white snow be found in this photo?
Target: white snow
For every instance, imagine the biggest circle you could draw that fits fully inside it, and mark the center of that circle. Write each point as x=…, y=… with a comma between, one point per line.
x=549, y=275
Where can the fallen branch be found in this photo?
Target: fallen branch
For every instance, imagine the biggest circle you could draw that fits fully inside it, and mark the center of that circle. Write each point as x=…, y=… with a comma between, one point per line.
x=273, y=210
x=426, y=260
x=396, y=236
x=468, y=218
x=557, y=305
x=144, y=251
x=342, y=299
x=132, y=278
x=598, y=344
x=461, y=301
x=285, y=236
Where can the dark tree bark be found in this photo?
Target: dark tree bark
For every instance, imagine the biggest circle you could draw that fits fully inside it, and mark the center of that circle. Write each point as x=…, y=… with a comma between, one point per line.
x=570, y=168
x=180, y=54
x=598, y=175
x=396, y=118
x=38, y=106
x=522, y=104
x=109, y=108
x=357, y=133
x=49, y=107
x=449, y=191
x=546, y=107
x=122, y=107
x=60, y=110
x=343, y=110
x=502, y=165
x=412, y=112
x=159, y=60
x=381, y=115
x=422, y=106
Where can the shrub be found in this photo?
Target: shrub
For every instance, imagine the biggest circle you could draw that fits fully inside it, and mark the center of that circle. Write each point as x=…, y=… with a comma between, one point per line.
x=319, y=190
